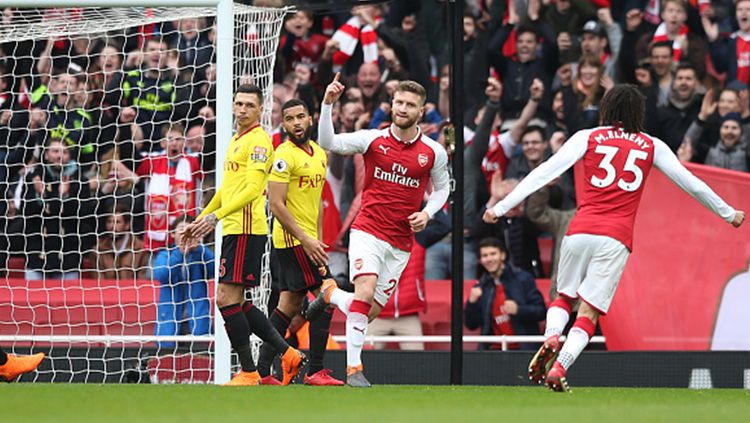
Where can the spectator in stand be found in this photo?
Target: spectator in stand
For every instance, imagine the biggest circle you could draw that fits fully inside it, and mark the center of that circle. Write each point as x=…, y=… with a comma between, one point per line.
x=400, y=316
x=600, y=35
x=148, y=94
x=581, y=98
x=195, y=139
x=119, y=252
x=195, y=49
x=299, y=44
x=519, y=71
x=702, y=134
x=68, y=121
x=731, y=151
x=536, y=149
x=730, y=53
x=660, y=58
x=174, y=180
x=368, y=81
x=183, y=295
x=659, y=55
x=687, y=45
x=58, y=213
x=505, y=300
x=684, y=104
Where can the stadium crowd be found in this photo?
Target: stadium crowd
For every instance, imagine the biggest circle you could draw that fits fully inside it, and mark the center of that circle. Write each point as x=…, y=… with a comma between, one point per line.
x=109, y=144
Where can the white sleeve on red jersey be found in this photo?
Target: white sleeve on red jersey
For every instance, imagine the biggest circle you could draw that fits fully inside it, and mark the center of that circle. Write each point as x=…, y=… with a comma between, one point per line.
x=440, y=179
x=352, y=143
x=667, y=163
x=567, y=156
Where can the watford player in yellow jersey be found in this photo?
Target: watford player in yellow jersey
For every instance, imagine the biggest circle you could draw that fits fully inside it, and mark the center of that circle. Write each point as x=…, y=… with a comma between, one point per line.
x=295, y=189
x=240, y=204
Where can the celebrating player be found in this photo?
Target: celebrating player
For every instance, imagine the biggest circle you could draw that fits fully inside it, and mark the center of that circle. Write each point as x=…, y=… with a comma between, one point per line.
x=399, y=162
x=617, y=158
x=11, y=366
x=241, y=203
x=295, y=188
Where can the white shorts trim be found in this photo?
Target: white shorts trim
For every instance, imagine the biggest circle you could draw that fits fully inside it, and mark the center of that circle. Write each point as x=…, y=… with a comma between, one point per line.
x=369, y=255
x=590, y=268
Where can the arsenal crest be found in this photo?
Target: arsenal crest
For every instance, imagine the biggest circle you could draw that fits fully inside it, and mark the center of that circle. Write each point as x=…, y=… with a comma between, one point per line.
x=358, y=263
x=422, y=159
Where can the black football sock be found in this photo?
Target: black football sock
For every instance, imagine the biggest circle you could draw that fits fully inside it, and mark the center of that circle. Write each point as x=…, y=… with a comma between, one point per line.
x=3, y=357
x=260, y=326
x=280, y=321
x=319, y=330
x=238, y=330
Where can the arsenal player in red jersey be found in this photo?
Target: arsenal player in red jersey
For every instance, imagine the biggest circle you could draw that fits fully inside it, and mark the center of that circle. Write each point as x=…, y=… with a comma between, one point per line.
x=617, y=158
x=400, y=161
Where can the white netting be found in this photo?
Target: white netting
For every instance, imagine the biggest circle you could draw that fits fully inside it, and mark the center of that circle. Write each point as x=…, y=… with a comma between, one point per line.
x=107, y=125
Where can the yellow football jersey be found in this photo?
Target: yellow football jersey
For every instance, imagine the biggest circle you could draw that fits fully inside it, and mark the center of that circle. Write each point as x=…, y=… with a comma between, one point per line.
x=305, y=174
x=248, y=153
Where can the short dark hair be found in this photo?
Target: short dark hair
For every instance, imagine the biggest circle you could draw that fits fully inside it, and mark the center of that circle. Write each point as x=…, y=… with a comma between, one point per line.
x=623, y=106
x=686, y=66
x=491, y=241
x=526, y=28
x=667, y=44
x=534, y=128
x=250, y=89
x=412, y=87
x=294, y=103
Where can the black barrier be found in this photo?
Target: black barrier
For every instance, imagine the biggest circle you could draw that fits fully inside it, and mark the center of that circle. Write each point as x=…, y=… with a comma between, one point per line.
x=620, y=369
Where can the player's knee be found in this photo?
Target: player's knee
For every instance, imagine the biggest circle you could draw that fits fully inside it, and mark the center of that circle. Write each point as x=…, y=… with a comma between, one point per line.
x=364, y=289
x=364, y=293
x=228, y=295
x=290, y=303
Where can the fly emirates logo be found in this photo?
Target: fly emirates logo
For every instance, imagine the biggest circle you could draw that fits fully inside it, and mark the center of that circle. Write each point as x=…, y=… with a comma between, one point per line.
x=397, y=175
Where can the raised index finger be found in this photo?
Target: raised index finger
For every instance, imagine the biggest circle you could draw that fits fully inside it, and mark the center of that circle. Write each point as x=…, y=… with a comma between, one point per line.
x=337, y=77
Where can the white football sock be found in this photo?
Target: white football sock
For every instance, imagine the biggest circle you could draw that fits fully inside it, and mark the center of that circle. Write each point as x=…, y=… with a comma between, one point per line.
x=356, y=327
x=557, y=318
x=342, y=300
x=574, y=344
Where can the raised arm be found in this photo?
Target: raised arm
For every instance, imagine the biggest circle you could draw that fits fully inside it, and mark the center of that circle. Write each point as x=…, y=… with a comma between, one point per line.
x=667, y=163
x=353, y=143
x=566, y=157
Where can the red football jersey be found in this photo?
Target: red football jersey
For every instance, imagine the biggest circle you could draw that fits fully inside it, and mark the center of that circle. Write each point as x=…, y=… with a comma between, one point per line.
x=396, y=176
x=616, y=165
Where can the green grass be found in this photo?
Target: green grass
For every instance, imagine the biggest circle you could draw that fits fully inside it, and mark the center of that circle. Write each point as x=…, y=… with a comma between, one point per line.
x=413, y=404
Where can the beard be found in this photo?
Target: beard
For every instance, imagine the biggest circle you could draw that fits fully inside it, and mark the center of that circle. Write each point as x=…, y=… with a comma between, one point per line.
x=405, y=123
x=300, y=140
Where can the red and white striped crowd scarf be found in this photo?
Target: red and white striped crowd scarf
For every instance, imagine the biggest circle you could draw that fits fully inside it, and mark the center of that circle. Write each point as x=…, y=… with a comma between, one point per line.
x=661, y=35
x=348, y=35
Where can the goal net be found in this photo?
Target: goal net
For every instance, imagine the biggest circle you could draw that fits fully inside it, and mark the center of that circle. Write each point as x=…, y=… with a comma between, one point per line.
x=108, y=124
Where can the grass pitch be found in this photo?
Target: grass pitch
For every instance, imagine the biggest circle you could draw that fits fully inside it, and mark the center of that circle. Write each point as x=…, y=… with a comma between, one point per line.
x=413, y=404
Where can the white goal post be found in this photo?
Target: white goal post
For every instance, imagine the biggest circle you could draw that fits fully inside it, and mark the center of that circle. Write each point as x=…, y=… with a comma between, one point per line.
x=244, y=52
